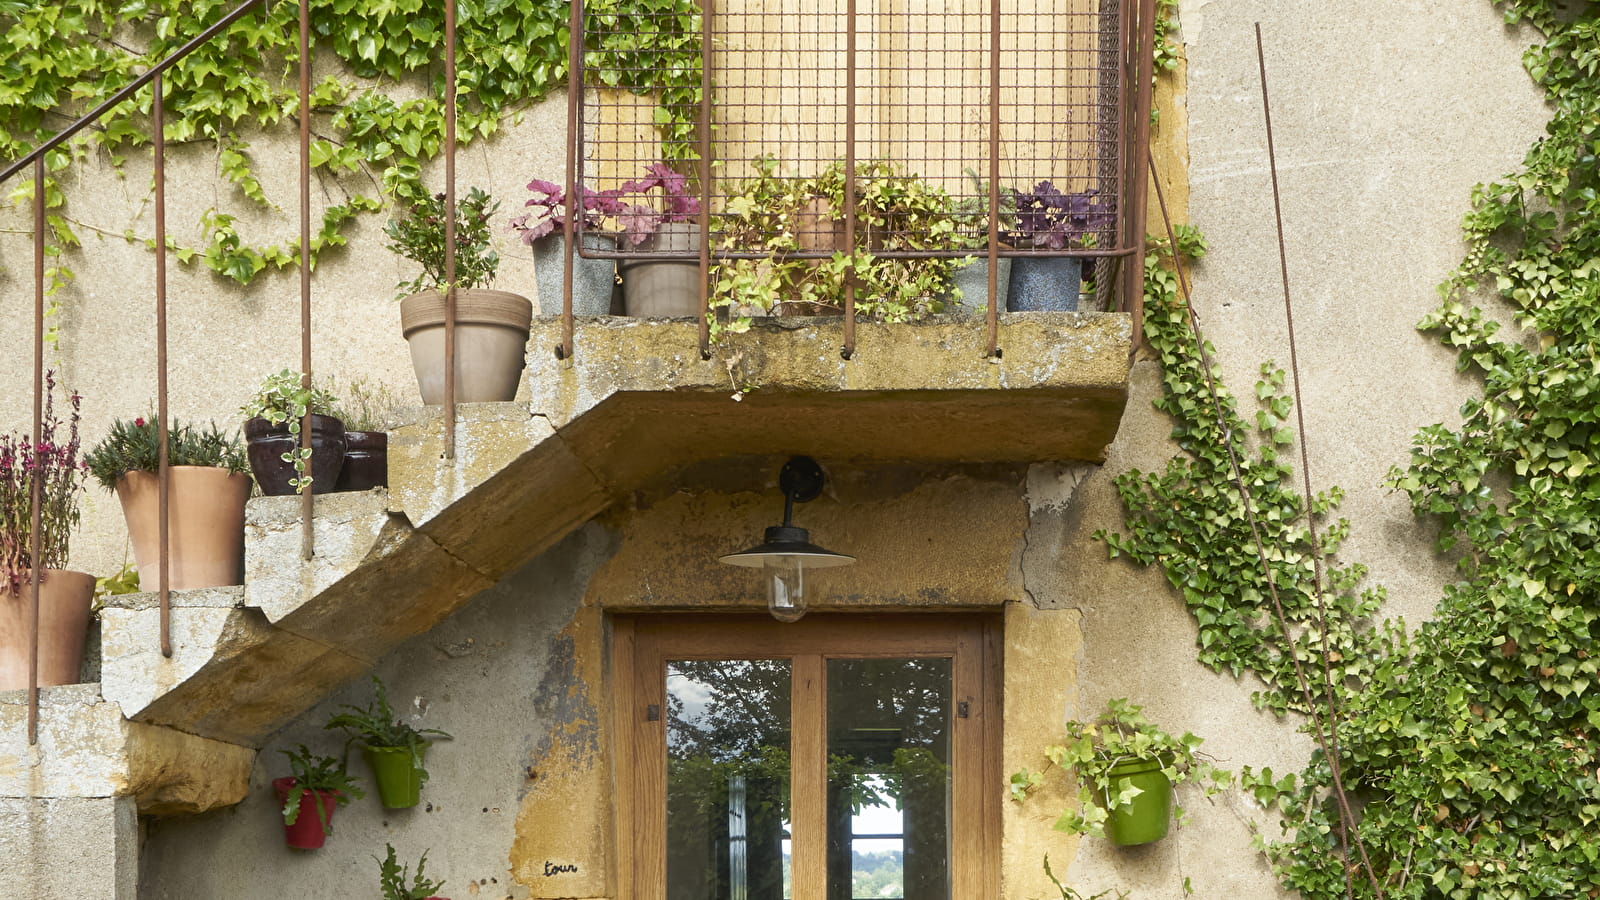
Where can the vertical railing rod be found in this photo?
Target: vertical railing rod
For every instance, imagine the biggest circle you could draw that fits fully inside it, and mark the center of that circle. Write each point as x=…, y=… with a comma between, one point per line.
x=992, y=316
x=1124, y=137
x=450, y=229
x=707, y=10
x=850, y=179
x=1144, y=75
x=570, y=230
x=34, y=484
x=163, y=460
x=307, y=494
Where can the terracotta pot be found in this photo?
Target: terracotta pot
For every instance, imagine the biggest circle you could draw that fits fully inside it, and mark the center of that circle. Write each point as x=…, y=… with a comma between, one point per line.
x=307, y=832
x=816, y=229
x=205, y=522
x=665, y=288
x=64, y=599
x=266, y=443
x=366, y=461
x=491, y=340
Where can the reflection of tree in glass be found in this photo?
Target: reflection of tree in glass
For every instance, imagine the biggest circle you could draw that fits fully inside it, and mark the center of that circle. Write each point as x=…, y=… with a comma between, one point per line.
x=727, y=708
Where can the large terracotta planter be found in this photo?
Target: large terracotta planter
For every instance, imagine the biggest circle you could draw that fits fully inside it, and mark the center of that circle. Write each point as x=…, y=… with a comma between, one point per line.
x=366, y=461
x=666, y=287
x=491, y=340
x=307, y=832
x=64, y=599
x=266, y=443
x=205, y=523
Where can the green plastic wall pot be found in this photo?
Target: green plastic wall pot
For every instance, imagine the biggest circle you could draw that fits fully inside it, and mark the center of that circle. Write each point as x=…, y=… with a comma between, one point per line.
x=1145, y=818
x=399, y=782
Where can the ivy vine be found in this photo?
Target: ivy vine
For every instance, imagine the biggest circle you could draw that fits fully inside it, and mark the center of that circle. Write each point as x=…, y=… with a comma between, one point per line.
x=1471, y=748
x=58, y=60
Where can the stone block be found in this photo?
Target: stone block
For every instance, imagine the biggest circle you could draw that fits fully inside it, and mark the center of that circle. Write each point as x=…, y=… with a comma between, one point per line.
x=78, y=848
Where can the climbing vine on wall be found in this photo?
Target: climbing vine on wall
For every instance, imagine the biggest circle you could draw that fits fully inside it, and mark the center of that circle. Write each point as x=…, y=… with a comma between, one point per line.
x=1473, y=748
x=378, y=120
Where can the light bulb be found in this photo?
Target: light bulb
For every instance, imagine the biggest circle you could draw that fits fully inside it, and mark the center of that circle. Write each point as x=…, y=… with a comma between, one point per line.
x=786, y=595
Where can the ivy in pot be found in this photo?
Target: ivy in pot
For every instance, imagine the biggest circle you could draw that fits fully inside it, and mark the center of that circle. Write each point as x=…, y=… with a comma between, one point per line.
x=393, y=748
x=272, y=431
x=1126, y=768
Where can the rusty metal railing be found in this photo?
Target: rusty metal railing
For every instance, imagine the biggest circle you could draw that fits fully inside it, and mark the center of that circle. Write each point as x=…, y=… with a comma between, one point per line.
x=1023, y=92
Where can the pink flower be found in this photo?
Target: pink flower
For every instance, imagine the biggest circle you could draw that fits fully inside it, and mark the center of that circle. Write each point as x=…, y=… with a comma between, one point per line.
x=139, y=422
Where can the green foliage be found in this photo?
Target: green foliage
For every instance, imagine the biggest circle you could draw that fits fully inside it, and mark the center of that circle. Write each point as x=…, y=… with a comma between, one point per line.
x=377, y=726
x=285, y=398
x=1068, y=893
x=419, y=236
x=136, y=447
x=1472, y=750
x=1090, y=750
x=777, y=213
x=392, y=878
x=316, y=773
x=59, y=60
x=363, y=405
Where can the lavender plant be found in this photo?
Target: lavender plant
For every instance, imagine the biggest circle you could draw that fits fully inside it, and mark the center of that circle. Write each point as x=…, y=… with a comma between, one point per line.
x=1048, y=219
x=54, y=465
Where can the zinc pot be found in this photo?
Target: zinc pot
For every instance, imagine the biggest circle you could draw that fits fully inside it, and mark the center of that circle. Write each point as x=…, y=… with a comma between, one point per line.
x=665, y=288
x=205, y=525
x=1145, y=818
x=399, y=781
x=491, y=339
x=592, y=279
x=973, y=280
x=366, y=461
x=307, y=832
x=1045, y=284
x=64, y=599
x=266, y=444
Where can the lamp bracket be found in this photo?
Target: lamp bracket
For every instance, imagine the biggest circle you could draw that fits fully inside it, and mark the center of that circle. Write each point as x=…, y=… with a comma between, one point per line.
x=801, y=479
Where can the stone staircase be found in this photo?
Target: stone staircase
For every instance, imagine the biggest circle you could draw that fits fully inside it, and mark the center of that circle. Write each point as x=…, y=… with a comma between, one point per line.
x=161, y=736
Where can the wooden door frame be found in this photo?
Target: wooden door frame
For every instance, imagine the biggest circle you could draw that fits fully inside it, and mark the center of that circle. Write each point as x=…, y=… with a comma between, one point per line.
x=641, y=643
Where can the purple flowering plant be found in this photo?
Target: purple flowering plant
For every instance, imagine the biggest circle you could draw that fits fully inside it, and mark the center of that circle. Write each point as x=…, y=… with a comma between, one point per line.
x=59, y=471
x=1048, y=219
x=676, y=203
x=550, y=210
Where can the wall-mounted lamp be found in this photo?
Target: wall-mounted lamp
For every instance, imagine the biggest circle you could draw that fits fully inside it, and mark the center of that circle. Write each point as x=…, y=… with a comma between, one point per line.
x=786, y=553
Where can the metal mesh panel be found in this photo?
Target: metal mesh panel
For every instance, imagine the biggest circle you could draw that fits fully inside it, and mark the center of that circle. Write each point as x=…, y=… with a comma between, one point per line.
x=922, y=108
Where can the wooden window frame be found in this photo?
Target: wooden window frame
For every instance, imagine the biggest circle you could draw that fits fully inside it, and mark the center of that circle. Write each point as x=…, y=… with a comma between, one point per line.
x=641, y=646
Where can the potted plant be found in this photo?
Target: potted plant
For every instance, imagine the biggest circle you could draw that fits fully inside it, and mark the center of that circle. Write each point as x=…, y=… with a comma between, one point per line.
x=393, y=748
x=970, y=282
x=665, y=225
x=207, y=491
x=308, y=797
x=366, y=409
x=272, y=436
x=491, y=326
x=1126, y=768
x=544, y=229
x=1048, y=219
x=64, y=597
x=392, y=878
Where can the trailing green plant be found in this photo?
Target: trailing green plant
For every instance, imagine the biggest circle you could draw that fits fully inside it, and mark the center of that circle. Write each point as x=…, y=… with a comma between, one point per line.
x=1090, y=751
x=1068, y=893
x=381, y=116
x=894, y=211
x=320, y=774
x=418, y=235
x=1471, y=750
x=284, y=399
x=392, y=878
x=378, y=727
x=53, y=464
x=136, y=447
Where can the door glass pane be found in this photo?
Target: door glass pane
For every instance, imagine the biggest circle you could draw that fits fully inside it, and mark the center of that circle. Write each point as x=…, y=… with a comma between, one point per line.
x=728, y=779
x=889, y=779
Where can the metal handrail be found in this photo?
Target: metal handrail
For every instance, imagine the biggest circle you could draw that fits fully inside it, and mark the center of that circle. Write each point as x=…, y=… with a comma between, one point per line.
x=116, y=99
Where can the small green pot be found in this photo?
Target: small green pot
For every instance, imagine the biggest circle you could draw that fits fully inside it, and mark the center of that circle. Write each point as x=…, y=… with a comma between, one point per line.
x=399, y=782
x=1145, y=818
